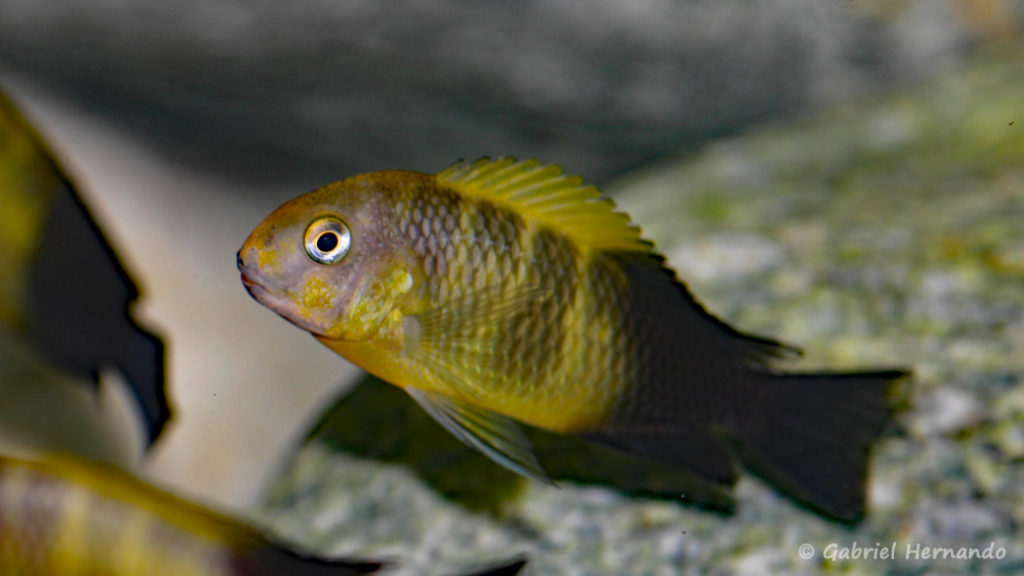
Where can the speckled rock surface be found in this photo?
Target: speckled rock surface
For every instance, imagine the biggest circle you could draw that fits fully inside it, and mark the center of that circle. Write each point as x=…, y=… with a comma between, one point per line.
x=884, y=234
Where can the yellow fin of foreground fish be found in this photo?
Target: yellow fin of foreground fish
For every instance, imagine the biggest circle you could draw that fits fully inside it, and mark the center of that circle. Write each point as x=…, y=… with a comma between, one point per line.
x=68, y=517
x=62, y=516
x=501, y=292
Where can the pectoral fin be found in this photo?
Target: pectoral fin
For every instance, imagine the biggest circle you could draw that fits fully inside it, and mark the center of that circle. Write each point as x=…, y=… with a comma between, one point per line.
x=461, y=321
x=457, y=341
x=498, y=437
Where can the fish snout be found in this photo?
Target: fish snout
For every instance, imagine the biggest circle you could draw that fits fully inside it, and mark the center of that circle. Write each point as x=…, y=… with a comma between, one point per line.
x=246, y=259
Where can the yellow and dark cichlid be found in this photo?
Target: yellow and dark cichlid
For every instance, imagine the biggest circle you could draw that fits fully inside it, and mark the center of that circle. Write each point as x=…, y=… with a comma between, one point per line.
x=68, y=517
x=502, y=291
x=62, y=287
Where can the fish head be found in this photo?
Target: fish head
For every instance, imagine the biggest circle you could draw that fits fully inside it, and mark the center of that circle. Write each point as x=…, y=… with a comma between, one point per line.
x=324, y=262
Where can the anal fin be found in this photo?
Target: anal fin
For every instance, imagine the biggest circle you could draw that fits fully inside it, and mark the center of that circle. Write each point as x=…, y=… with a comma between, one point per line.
x=679, y=444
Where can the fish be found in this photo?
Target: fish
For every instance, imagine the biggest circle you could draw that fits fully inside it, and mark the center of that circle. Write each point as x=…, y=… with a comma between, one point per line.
x=63, y=515
x=501, y=292
x=66, y=516
x=63, y=288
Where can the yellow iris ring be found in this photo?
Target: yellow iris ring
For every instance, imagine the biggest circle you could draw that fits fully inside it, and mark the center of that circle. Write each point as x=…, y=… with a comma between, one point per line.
x=327, y=240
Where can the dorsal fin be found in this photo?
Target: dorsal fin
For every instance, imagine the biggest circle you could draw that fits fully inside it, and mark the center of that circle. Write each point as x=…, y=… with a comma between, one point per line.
x=541, y=191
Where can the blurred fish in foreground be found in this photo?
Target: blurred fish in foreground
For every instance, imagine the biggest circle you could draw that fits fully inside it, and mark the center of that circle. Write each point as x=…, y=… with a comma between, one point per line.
x=67, y=517
x=62, y=286
x=501, y=292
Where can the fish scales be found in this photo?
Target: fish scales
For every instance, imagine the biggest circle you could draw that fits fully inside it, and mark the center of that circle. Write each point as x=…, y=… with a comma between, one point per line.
x=464, y=247
x=657, y=361
x=500, y=292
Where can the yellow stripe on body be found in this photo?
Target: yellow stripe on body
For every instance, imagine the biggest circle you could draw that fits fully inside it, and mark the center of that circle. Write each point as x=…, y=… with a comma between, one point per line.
x=557, y=393
x=90, y=520
x=588, y=381
x=467, y=277
x=18, y=553
x=71, y=546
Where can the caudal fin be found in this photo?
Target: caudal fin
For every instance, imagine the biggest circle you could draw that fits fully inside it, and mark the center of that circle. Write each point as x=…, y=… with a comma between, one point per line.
x=812, y=436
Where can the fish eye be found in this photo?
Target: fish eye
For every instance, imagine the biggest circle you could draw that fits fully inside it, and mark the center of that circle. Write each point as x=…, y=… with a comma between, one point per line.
x=328, y=240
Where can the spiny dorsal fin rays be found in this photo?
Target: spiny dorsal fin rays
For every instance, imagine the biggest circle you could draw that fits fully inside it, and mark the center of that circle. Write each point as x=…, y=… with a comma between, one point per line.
x=563, y=203
x=528, y=178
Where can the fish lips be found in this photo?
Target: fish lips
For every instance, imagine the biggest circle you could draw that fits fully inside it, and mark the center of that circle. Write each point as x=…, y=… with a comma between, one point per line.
x=280, y=303
x=255, y=289
x=249, y=278
x=260, y=293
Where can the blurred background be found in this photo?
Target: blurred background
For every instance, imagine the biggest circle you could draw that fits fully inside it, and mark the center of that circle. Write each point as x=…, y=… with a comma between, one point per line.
x=185, y=122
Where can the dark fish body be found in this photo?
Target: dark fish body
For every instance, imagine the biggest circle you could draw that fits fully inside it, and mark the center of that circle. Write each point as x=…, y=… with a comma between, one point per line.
x=500, y=292
x=62, y=287
x=63, y=517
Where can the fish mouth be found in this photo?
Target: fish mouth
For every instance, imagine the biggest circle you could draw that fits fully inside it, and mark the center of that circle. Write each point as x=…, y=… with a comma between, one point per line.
x=281, y=301
x=260, y=293
x=245, y=269
x=254, y=288
x=251, y=285
x=255, y=284
x=282, y=306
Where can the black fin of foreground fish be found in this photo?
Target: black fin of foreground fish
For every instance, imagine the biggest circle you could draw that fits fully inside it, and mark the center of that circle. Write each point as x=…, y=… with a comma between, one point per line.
x=63, y=287
x=80, y=310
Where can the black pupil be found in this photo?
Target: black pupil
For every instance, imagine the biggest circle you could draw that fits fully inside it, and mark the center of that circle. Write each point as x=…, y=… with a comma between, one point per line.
x=327, y=241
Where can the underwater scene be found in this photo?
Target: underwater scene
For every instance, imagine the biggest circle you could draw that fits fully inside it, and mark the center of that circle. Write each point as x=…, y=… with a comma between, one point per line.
x=652, y=289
